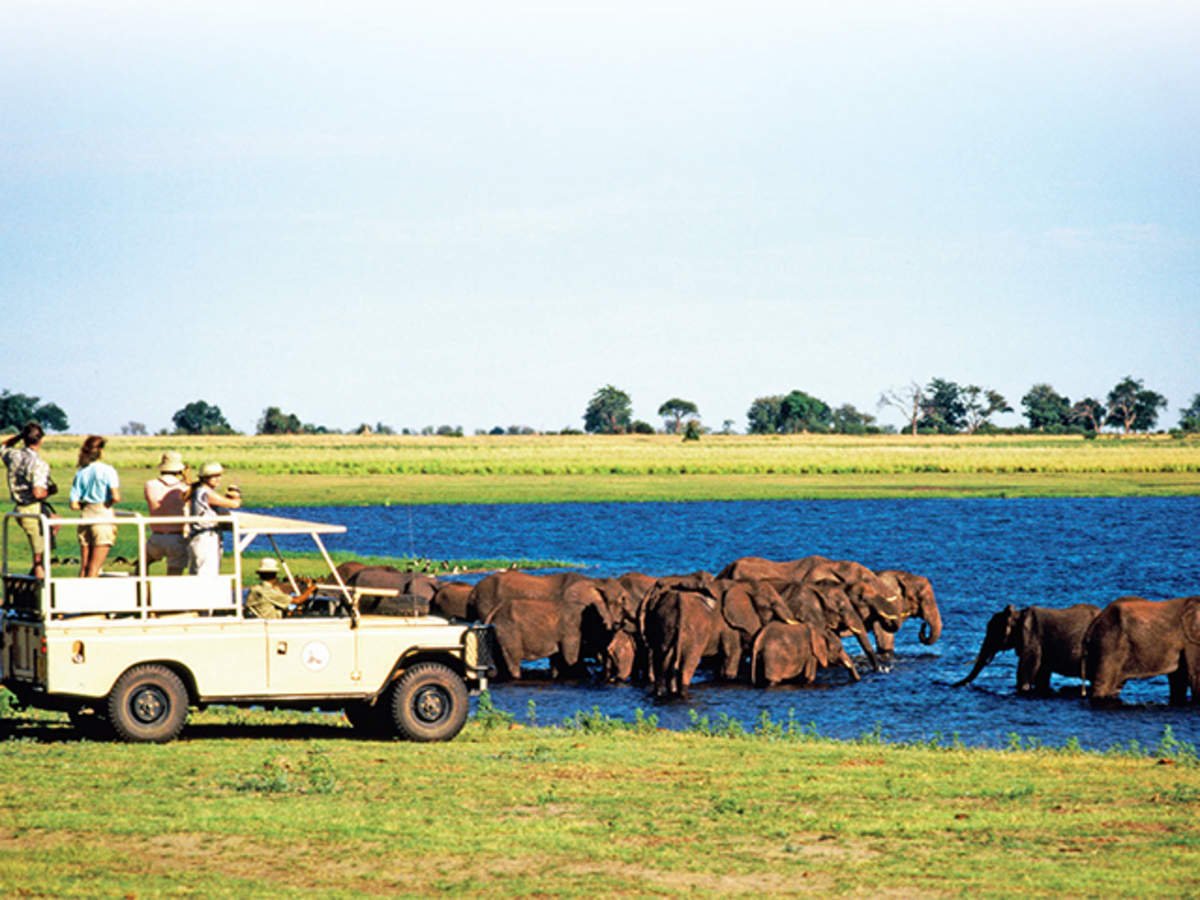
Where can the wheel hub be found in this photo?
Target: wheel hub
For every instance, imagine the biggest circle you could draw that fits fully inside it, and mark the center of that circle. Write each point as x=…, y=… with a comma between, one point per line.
x=430, y=704
x=148, y=705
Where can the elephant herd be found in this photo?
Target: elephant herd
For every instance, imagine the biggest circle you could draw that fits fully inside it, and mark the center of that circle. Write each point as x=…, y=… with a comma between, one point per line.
x=1130, y=638
x=767, y=622
x=757, y=620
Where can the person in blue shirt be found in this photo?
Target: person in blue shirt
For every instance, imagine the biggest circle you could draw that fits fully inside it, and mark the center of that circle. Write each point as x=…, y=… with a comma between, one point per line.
x=94, y=491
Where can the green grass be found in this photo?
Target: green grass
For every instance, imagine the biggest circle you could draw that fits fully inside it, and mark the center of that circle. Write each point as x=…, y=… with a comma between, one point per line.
x=256, y=804
x=351, y=470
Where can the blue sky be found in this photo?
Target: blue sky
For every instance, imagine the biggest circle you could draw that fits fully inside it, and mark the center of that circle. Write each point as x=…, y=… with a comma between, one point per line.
x=479, y=215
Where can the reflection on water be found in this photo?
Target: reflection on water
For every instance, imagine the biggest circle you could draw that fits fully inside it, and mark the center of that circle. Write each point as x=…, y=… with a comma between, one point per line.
x=980, y=555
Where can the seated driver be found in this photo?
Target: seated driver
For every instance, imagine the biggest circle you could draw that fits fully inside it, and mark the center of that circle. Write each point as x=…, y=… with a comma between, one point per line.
x=267, y=600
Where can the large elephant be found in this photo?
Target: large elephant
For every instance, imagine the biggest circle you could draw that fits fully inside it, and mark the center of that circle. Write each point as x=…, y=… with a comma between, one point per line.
x=917, y=601
x=784, y=652
x=681, y=628
x=1137, y=638
x=569, y=587
x=828, y=605
x=588, y=612
x=874, y=598
x=744, y=608
x=529, y=628
x=1046, y=641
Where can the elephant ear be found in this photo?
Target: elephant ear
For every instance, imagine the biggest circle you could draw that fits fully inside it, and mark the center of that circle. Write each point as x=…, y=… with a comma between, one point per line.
x=820, y=646
x=1191, y=620
x=738, y=609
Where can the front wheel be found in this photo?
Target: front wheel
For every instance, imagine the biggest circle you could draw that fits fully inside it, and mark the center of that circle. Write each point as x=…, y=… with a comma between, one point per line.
x=429, y=703
x=148, y=704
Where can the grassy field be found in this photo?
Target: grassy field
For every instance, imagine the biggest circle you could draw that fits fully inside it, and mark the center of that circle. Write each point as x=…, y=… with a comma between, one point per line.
x=352, y=470
x=256, y=804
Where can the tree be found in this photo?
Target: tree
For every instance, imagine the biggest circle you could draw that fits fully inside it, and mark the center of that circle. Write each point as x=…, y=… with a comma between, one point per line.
x=675, y=410
x=1189, y=418
x=1046, y=409
x=199, y=417
x=135, y=428
x=727, y=426
x=764, y=414
x=1133, y=407
x=609, y=412
x=908, y=399
x=275, y=421
x=849, y=420
x=1089, y=413
x=692, y=431
x=981, y=405
x=17, y=409
x=801, y=412
x=943, y=409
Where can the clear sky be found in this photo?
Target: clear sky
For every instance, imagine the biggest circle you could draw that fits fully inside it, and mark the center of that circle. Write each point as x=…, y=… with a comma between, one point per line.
x=478, y=215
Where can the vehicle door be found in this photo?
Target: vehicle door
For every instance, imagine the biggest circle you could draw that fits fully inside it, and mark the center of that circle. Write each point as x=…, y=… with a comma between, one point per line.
x=312, y=656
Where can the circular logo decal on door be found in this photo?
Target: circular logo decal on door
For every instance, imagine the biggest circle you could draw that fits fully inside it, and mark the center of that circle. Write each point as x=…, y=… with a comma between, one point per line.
x=315, y=656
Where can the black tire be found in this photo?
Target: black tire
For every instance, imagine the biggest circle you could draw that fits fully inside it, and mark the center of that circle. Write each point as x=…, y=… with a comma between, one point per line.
x=429, y=703
x=372, y=721
x=148, y=704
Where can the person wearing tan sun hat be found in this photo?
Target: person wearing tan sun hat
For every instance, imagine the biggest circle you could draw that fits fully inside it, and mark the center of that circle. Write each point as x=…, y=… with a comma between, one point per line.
x=267, y=600
x=204, y=540
x=166, y=495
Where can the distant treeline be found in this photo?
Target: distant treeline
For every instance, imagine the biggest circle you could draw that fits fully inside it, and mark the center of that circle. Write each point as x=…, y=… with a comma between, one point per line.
x=940, y=407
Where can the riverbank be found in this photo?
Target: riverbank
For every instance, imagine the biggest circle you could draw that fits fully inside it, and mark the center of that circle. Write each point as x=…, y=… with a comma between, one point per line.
x=259, y=804
x=349, y=470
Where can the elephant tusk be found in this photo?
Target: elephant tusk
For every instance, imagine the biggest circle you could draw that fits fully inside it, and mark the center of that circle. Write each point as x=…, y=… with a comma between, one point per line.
x=791, y=621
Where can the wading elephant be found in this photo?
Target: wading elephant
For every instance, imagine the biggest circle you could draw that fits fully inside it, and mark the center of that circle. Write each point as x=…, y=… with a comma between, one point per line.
x=681, y=628
x=592, y=607
x=828, y=605
x=916, y=601
x=874, y=598
x=529, y=628
x=743, y=607
x=1137, y=638
x=784, y=652
x=1046, y=641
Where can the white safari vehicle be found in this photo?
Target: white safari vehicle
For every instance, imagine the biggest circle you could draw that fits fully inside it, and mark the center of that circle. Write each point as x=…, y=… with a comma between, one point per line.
x=127, y=653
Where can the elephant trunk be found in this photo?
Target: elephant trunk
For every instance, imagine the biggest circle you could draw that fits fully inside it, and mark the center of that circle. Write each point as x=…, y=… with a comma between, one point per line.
x=985, y=656
x=931, y=627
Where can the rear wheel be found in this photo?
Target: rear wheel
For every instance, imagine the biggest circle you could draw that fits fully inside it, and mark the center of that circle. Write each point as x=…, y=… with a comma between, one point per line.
x=429, y=703
x=148, y=704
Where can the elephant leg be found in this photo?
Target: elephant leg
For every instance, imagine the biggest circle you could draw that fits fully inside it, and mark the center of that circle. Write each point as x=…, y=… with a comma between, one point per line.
x=861, y=637
x=1179, y=680
x=1029, y=670
x=509, y=641
x=885, y=641
x=731, y=656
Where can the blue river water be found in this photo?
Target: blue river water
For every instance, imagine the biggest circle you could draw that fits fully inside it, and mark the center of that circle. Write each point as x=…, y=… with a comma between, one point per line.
x=980, y=554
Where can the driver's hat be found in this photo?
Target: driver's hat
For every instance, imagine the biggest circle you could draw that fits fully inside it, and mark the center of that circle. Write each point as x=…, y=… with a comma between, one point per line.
x=269, y=566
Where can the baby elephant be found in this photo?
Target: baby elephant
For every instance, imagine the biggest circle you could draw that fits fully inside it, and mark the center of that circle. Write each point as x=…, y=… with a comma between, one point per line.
x=785, y=652
x=1046, y=641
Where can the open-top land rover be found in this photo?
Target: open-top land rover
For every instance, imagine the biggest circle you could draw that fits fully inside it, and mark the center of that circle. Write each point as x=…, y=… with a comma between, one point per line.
x=127, y=653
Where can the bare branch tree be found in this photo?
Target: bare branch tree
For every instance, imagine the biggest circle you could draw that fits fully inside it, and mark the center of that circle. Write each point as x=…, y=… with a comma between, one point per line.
x=907, y=399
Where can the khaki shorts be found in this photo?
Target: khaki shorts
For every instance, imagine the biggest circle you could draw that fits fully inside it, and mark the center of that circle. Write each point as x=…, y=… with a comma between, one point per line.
x=32, y=527
x=97, y=535
x=172, y=547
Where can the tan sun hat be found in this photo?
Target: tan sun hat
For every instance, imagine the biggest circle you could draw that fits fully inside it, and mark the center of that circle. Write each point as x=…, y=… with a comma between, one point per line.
x=269, y=566
x=211, y=468
x=172, y=463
